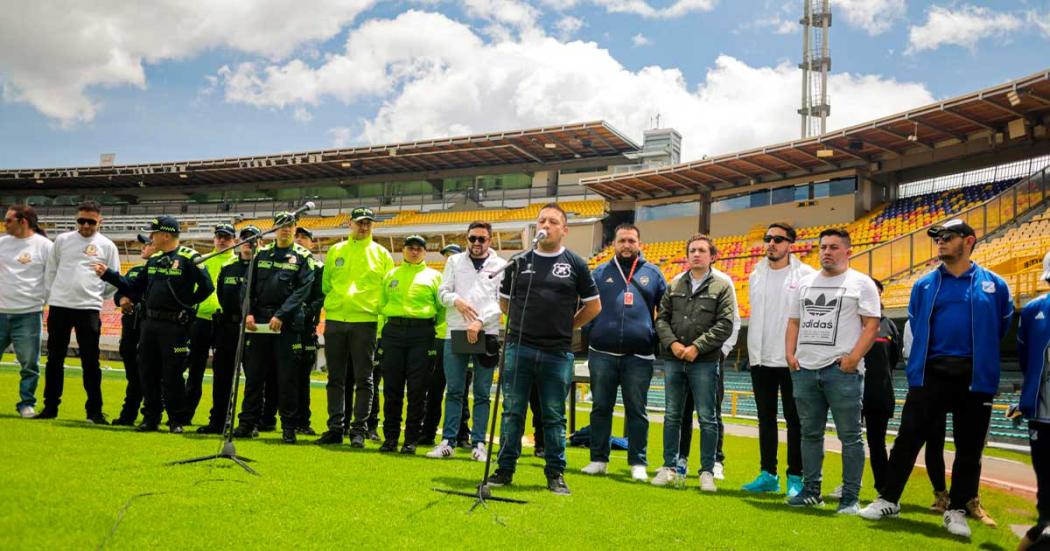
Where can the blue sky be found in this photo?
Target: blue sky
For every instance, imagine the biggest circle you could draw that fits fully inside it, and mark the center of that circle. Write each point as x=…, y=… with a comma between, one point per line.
x=173, y=80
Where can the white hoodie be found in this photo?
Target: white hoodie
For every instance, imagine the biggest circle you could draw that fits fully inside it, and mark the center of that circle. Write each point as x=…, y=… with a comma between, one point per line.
x=796, y=271
x=71, y=279
x=461, y=280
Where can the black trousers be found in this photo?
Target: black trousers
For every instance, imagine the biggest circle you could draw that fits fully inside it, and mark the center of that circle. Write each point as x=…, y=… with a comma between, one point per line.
x=129, y=353
x=306, y=357
x=163, y=348
x=875, y=424
x=202, y=337
x=766, y=383
x=373, y=408
x=934, y=453
x=685, y=439
x=222, y=368
x=60, y=322
x=349, y=348
x=1039, y=440
x=271, y=398
x=270, y=356
x=436, y=394
x=405, y=366
x=971, y=415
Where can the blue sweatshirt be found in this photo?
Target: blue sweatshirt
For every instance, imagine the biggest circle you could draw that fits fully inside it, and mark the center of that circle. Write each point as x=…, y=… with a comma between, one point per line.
x=1033, y=338
x=622, y=329
x=989, y=302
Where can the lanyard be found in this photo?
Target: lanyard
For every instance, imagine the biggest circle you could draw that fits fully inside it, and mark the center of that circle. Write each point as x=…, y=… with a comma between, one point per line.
x=626, y=279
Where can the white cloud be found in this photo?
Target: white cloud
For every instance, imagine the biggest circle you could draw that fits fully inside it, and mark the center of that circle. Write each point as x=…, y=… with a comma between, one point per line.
x=301, y=114
x=678, y=8
x=1041, y=21
x=52, y=52
x=567, y=26
x=340, y=136
x=776, y=24
x=449, y=81
x=639, y=40
x=874, y=16
x=963, y=26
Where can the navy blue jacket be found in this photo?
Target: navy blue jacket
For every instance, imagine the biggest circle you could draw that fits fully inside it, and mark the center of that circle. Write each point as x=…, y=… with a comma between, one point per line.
x=1033, y=337
x=991, y=311
x=620, y=329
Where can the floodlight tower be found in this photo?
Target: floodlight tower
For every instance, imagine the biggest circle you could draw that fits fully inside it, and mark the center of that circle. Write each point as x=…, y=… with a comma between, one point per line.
x=816, y=62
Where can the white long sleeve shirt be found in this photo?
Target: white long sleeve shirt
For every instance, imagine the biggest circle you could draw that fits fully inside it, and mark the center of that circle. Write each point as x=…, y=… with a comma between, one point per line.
x=71, y=279
x=23, y=269
x=474, y=286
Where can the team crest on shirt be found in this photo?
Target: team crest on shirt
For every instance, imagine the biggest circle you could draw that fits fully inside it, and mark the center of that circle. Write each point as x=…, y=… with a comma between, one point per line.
x=175, y=265
x=988, y=286
x=293, y=259
x=339, y=262
x=644, y=280
x=561, y=269
x=91, y=250
x=24, y=258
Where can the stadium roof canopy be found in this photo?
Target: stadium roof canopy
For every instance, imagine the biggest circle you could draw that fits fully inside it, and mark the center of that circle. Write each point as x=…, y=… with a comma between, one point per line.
x=553, y=145
x=876, y=145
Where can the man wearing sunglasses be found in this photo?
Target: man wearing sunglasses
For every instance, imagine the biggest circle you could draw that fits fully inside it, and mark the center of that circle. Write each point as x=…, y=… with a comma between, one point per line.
x=958, y=314
x=770, y=284
x=76, y=298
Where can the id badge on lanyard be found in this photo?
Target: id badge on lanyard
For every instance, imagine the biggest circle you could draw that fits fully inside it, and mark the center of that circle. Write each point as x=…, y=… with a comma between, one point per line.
x=628, y=295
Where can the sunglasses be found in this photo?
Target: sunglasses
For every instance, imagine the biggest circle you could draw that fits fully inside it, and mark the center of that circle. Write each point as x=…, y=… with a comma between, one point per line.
x=778, y=239
x=87, y=222
x=477, y=238
x=945, y=237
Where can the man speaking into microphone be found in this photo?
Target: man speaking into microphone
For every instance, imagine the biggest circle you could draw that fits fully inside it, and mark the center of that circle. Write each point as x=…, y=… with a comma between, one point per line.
x=558, y=286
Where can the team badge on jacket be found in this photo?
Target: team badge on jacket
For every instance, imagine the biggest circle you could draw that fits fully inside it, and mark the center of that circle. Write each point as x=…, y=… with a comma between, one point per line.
x=24, y=258
x=91, y=250
x=561, y=269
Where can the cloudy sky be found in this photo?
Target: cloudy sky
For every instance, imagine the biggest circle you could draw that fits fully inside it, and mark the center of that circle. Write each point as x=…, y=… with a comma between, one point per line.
x=176, y=80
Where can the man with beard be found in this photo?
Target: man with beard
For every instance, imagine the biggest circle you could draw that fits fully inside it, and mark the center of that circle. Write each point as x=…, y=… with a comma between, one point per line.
x=958, y=314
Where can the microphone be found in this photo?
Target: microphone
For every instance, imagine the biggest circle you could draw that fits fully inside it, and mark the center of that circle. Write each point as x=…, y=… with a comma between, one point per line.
x=540, y=236
x=309, y=205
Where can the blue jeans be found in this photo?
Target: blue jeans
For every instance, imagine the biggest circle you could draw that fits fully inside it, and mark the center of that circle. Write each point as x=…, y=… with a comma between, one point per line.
x=455, y=393
x=552, y=373
x=23, y=331
x=816, y=391
x=702, y=378
x=632, y=374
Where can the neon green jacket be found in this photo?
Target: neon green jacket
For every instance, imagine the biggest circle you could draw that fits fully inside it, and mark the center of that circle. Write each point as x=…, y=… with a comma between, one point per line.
x=353, y=274
x=214, y=266
x=411, y=291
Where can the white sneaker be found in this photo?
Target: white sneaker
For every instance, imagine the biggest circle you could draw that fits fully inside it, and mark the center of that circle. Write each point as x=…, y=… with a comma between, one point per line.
x=27, y=412
x=719, y=471
x=479, y=453
x=638, y=473
x=443, y=450
x=595, y=467
x=880, y=508
x=836, y=493
x=665, y=476
x=707, y=482
x=955, y=522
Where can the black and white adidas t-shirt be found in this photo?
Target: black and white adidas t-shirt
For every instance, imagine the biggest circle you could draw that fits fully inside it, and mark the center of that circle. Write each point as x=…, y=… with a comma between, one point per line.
x=559, y=282
x=829, y=311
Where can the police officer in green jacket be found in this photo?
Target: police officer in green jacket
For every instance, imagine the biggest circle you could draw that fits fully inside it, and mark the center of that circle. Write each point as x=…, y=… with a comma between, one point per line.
x=306, y=348
x=409, y=304
x=202, y=334
x=353, y=276
x=130, y=306
x=284, y=274
x=172, y=285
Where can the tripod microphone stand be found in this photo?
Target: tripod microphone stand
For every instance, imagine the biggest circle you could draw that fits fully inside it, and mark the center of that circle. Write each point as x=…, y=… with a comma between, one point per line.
x=228, y=450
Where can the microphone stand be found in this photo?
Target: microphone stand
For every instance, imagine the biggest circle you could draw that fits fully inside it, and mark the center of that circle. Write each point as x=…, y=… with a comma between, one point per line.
x=228, y=450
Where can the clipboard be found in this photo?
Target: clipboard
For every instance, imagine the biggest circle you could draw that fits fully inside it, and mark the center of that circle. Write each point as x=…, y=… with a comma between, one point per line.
x=461, y=346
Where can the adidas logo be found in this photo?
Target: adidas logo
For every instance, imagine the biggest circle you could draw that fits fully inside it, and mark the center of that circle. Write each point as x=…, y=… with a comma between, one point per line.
x=1040, y=316
x=819, y=307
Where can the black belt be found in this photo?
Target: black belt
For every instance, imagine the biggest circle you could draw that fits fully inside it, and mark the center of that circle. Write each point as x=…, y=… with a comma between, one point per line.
x=411, y=322
x=165, y=315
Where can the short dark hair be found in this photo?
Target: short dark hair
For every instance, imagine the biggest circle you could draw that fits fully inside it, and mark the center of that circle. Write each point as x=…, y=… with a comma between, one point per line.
x=878, y=284
x=480, y=224
x=89, y=206
x=28, y=213
x=557, y=207
x=627, y=226
x=841, y=233
x=792, y=235
x=701, y=237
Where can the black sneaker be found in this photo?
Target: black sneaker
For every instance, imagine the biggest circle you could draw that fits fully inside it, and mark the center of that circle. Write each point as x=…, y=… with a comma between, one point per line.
x=176, y=429
x=47, y=413
x=388, y=446
x=267, y=427
x=408, y=449
x=288, y=436
x=209, y=429
x=330, y=437
x=373, y=435
x=357, y=441
x=97, y=419
x=500, y=478
x=539, y=451
x=556, y=484
x=306, y=431
x=428, y=442
x=146, y=427
x=245, y=431
x=123, y=422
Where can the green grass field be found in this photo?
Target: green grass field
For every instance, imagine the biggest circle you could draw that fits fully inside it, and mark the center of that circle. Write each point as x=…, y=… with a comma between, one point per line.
x=70, y=485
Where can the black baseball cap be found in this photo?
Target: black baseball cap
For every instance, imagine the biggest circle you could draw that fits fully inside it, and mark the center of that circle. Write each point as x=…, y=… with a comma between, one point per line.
x=362, y=213
x=283, y=218
x=304, y=231
x=226, y=229
x=249, y=230
x=451, y=248
x=954, y=225
x=143, y=238
x=167, y=224
x=416, y=240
